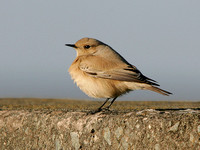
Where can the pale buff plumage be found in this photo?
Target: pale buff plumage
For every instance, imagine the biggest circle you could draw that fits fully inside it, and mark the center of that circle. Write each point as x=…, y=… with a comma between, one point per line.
x=100, y=72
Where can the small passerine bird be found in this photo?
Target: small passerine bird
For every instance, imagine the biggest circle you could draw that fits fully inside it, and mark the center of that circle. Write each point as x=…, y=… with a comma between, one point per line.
x=101, y=72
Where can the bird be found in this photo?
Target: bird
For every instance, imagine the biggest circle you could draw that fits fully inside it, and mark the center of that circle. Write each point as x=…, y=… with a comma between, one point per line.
x=101, y=72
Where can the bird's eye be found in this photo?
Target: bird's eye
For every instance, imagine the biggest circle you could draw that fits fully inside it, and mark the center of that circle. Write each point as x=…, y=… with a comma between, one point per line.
x=87, y=46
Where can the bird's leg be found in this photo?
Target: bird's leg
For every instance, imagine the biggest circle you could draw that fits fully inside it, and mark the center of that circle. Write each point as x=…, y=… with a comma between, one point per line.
x=111, y=103
x=100, y=108
x=106, y=108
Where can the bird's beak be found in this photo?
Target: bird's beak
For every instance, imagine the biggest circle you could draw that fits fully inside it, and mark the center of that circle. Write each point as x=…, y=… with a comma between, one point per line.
x=71, y=45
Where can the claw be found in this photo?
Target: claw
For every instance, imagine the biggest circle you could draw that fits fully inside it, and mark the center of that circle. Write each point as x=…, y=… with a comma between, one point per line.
x=95, y=111
x=106, y=109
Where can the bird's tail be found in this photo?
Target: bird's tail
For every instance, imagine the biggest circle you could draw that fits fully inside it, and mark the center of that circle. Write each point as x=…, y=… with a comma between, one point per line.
x=158, y=90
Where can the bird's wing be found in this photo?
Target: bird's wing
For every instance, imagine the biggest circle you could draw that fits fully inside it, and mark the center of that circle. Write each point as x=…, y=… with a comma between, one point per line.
x=100, y=68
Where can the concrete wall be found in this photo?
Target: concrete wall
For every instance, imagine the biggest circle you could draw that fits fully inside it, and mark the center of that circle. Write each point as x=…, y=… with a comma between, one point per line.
x=60, y=130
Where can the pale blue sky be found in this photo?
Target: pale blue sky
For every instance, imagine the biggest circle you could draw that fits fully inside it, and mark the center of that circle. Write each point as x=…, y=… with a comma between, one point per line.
x=161, y=38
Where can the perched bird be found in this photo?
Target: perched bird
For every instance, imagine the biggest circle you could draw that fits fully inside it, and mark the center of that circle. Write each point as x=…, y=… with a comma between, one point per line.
x=101, y=72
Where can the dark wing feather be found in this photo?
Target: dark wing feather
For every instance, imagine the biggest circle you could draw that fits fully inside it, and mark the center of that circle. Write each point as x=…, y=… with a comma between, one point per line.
x=127, y=73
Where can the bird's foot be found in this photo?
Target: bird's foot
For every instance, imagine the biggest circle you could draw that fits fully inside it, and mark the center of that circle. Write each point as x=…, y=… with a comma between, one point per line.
x=95, y=111
x=106, y=109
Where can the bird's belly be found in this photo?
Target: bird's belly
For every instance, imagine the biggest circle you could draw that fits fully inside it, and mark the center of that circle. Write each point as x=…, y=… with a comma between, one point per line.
x=98, y=87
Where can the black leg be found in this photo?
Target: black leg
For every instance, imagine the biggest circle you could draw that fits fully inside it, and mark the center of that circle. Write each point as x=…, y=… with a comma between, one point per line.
x=100, y=108
x=106, y=108
x=111, y=103
x=103, y=104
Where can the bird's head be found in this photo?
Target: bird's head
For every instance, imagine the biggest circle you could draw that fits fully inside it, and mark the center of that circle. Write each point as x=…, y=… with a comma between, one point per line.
x=87, y=46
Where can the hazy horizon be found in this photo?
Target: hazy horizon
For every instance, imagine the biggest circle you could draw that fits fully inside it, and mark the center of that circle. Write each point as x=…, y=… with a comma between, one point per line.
x=161, y=38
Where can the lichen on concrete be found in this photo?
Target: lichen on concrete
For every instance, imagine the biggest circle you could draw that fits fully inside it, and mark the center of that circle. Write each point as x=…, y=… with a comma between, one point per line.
x=75, y=140
x=118, y=132
x=107, y=135
x=198, y=129
x=174, y=128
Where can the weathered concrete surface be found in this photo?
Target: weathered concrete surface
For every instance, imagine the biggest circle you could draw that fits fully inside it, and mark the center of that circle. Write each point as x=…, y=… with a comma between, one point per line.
x=57, y=129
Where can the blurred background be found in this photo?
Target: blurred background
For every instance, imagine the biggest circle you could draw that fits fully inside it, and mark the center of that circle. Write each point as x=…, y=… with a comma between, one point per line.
x=161, y=38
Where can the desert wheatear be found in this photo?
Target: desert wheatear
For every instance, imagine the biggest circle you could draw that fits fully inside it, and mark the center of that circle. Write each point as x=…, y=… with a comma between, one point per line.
x=101, y=72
